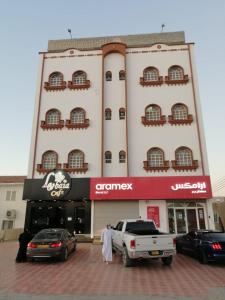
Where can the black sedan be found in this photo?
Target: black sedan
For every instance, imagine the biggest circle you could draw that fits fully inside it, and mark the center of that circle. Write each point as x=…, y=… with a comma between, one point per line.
x=51, y=243
x=206, y=245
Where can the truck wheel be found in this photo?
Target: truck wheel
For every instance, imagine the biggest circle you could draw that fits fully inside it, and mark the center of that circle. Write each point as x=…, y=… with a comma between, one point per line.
x=127, y=262
x=167, y=260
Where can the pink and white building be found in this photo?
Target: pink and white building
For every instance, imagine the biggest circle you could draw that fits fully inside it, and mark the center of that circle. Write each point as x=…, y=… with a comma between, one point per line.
x=123, y=112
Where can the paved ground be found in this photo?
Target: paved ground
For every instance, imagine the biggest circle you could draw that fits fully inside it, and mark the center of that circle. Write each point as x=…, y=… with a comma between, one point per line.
x=85, y=276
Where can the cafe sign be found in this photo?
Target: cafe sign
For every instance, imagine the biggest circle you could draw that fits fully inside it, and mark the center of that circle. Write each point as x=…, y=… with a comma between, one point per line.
x=57, y=184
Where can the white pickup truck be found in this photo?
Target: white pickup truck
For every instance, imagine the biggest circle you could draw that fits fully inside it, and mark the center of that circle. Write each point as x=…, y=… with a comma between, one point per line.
x=138, y=238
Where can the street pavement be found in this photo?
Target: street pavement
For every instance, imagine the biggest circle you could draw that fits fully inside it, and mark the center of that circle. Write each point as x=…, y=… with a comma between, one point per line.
x=86, y=277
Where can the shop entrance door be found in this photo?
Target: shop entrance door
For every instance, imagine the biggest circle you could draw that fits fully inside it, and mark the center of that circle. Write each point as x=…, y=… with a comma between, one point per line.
x=184, y=219
x=180, y=220
x=80, y=219
x=191, y=219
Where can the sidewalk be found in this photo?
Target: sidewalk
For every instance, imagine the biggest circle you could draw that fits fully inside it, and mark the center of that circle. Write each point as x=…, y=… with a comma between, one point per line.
x=85, y=276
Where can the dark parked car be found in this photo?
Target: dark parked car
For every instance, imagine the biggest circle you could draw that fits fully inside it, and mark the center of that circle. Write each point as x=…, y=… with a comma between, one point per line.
x=49, y=243
x=206, y=245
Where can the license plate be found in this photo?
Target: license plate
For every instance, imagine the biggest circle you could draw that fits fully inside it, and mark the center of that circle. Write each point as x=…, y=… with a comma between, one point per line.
x=156, y=252
x=43, y=246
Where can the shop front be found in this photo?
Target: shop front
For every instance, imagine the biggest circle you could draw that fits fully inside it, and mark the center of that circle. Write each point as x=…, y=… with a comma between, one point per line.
x=58, y=201
x=85, y=205
x=177, y=204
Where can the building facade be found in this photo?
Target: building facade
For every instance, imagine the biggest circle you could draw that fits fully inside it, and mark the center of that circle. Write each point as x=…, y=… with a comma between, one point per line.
x=12, y=213
x=122, y=116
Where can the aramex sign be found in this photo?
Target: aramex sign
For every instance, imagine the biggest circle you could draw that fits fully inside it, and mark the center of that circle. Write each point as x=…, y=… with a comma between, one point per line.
x=134, y=188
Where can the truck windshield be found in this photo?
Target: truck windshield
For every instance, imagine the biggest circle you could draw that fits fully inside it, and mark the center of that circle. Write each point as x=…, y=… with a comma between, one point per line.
x=141, y=227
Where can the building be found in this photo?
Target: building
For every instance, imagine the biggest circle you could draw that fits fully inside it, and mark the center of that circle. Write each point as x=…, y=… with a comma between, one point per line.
x=120, y=118
x=12, y=213
x=219, y=212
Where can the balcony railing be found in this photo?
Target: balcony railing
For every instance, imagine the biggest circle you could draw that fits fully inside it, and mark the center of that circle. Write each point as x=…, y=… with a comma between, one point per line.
x=157, y=82
x=46, y=126
x=82, y=169
x=83, y=125
x=41, y=169
x=74, y=86
x=159, y=122
x=173, y=121
x=183, y=80
x=59, y=87
x=162, y=168
x=192, y=167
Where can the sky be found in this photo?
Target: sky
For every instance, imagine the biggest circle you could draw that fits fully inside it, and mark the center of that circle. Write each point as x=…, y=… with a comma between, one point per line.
x=26, y=26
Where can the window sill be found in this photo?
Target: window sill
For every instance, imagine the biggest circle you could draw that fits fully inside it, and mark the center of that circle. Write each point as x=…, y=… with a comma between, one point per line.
x=40, y=168
x=177, y=82
x=192, y=167
x=187, y=121
x=160, y=122
x=84, y=86
x=163, y=168
x=53, y=88
x=45, y=126
x=83, y=169
x=151, y=82
x=84, y=125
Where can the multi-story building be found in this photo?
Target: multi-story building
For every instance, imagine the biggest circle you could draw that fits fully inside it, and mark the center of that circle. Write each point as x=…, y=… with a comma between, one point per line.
x=12, y=212
x=122, y=116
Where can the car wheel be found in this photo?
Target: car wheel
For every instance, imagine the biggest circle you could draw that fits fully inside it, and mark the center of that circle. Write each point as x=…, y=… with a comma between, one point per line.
x=74, y=247
x=167, y=260
x=202, y=257
x=179, y=248
x=127, y=262
x=64, y=255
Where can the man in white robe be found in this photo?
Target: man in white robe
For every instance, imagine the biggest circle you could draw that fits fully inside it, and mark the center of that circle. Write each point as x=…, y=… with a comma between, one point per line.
x=106, y=239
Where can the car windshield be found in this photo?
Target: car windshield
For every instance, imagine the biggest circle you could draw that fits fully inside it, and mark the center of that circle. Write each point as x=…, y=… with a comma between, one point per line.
x=48, y=236
x=141, y=227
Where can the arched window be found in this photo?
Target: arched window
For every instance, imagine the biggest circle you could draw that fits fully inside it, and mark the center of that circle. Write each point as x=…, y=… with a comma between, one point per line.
x=155, y=157
x=79, y=78
x=155, y=161
x=56, y=79
x=77, y=119
x=108, y=157
x=151, y=74
x=108, y=76
x=77, y=116
x=184, y=160
x=179, y=112
x=52, y=117
x=180, y=115
x=122, y=113
x=122, y=75
x=122, y=156
x=183, y=156
x=152, y=113
x=108, y=114
x=175, y=73
x=76, y=159
x=49, y=160
x=153, y=116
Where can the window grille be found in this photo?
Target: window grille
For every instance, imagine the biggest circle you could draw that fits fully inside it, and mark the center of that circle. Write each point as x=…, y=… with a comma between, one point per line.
x=49, y=160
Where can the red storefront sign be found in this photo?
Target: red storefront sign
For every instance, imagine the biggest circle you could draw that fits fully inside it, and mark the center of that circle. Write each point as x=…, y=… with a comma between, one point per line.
x=141, y=188
x=153, y=214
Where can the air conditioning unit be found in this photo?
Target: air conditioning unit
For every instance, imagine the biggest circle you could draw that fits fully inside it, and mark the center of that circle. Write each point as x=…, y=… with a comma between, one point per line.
x=11, y=214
